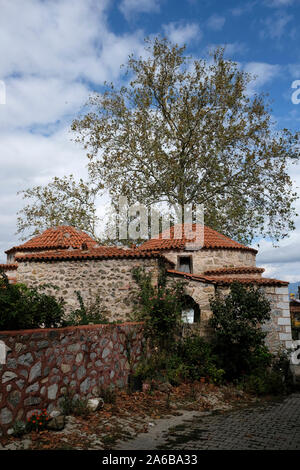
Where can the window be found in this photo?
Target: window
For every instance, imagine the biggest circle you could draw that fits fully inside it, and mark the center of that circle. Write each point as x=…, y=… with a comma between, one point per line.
x=191, y=311
x=185, y=264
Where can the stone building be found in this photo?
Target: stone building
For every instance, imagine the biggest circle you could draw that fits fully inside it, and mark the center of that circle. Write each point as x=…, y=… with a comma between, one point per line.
x=73, y=261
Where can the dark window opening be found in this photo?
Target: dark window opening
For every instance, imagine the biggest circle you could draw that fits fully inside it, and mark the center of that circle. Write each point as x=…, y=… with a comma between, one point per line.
x=185, y=264
x=190, y=311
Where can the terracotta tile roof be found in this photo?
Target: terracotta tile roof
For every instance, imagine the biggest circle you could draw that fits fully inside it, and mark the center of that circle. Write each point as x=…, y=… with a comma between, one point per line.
x=61, y=237
x=264, y=281
x=227, y=281
x=8, y=267
x=212, y=239
x=103, y=252
x=191, y=276
x=234, y=270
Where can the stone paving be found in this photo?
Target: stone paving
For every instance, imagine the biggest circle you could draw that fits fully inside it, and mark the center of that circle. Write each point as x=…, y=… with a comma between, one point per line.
x=271, y=426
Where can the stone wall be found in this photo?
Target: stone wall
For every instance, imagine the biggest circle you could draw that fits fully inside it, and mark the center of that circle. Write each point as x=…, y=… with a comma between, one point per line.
x=279, y=332
x=41, y=364
x=111, y=279
x=206, y=259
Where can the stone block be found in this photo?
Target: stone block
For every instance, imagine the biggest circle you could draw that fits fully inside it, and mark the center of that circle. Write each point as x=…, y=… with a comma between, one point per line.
x=285, y=336
x=284, y=321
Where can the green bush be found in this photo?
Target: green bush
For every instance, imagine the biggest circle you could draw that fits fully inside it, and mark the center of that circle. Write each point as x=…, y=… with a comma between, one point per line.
x=92, y=313
x=266, y=382
x=22, y=307
x=160, y=307
x=70, y=405
x=191, y=359
x=238, y=337
x=199, y=359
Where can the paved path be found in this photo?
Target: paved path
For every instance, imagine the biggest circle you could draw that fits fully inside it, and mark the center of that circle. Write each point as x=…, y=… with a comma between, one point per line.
x=270, y=426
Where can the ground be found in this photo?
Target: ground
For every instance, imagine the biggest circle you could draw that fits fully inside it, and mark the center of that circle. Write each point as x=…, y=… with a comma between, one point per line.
x=193, y=416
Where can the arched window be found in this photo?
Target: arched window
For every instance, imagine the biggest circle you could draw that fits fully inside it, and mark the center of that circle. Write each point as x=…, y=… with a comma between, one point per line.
x=190, y=311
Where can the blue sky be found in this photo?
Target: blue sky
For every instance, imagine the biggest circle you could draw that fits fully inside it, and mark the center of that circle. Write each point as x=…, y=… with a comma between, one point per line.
x=54, y=53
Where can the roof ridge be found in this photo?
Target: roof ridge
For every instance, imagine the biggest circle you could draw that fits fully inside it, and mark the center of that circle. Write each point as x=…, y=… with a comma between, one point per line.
x=59, y=237
x=212, y=239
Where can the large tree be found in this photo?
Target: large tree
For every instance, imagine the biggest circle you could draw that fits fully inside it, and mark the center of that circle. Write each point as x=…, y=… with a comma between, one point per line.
x=184, y=131
x=64, y=201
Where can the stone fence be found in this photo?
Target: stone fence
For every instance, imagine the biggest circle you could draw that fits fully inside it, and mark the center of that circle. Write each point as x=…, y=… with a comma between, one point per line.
x=41, y=364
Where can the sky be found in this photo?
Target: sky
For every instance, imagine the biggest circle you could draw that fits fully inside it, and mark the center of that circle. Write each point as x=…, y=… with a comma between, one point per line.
x=55, y=53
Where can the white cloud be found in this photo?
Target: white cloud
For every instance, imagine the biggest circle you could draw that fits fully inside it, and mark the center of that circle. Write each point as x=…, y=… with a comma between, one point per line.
x=263, y=72
x=40, y=101
x=182, y=33
x=233, y=48
x=283, y=262
x=274, y=26
x=53, y=52
x=243, y=8
x=278, y=3
x=216, y=22
x=130, y=8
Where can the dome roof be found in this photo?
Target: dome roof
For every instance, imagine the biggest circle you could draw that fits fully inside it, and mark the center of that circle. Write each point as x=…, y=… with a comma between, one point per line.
x=177, y=239
x=61, y=237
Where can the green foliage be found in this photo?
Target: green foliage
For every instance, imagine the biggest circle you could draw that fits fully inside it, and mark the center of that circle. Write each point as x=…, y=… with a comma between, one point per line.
x=263, y=382
x=92, y=313
x=238, y=337
x=185, y=130
x=276, y=379
x=19, y=429
x=108, y=394
x=190, y=359
x=71, y=405
x=64, y=201
x=22, y=307
x=199, y=359
x=160, y=307
x=37, y=422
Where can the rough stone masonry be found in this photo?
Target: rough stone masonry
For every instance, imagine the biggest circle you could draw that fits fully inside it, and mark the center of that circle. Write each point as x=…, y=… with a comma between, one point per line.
x=42, y=364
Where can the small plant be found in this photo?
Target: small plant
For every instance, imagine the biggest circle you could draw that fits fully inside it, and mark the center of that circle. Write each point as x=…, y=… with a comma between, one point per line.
x=108, y=395
x=19, y=428
x=74, y=406
x=38, y=421
x=91, y=313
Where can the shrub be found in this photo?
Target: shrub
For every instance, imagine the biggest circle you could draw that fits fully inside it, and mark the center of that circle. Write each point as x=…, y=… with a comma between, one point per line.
x=267, y=382
x=92, y=313
x=191, y=359
x=70, y=405
x=108, y=394
x=238, y=337
x=24, y=308
x=199, y=359
x=37, y=422
x=160, y=307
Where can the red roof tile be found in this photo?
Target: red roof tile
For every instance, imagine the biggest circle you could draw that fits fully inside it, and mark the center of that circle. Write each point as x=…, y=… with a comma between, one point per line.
x=193, y=277
x=227, y=281
x=61, y=237
x=102, y=252
x=264, y=281
x=8, y=267
x=175, y=240
x=234, y=270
